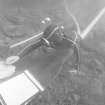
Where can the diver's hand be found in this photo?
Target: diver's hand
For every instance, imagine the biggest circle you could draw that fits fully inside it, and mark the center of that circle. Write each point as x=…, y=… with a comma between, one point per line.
x=11, y=60
x=6, y=70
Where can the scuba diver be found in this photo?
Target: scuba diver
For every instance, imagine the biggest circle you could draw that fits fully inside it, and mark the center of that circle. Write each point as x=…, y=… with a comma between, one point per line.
x=53, y=37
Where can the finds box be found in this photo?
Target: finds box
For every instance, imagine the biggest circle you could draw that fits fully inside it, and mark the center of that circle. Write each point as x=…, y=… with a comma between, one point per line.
x=19, y=89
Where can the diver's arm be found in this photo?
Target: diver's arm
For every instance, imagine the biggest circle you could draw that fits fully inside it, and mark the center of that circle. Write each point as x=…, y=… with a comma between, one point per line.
x=29, y=49
x=77, y=57
x=71, y=44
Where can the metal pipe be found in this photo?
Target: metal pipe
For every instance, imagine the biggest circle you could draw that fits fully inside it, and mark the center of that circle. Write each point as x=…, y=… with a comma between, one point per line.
x=92, y=24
